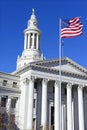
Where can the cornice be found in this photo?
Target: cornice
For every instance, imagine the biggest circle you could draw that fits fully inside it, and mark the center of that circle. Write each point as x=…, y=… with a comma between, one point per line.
x=66, y=59
x=56, y=71
x=38, y=66
x=17, y=90
x=76, y=65
x=9, y=76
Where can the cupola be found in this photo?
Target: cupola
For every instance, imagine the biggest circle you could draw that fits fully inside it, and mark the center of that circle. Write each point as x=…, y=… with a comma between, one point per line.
x=32, y=34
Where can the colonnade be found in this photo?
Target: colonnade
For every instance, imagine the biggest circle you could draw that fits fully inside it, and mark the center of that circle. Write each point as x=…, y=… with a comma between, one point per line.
x=56, y=105
x=31, y=41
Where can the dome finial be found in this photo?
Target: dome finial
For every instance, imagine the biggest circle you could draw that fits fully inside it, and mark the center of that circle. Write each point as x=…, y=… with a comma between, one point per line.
x=33, y=11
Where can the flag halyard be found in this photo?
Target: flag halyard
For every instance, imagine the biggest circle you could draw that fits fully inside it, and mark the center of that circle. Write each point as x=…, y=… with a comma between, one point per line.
x=71, y=28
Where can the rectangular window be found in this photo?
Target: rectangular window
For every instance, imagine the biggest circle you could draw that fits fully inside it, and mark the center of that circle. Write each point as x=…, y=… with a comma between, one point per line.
x=3, y=102
x=4, y=82
x=14, y=84
x=13, y=103
x=34, y=102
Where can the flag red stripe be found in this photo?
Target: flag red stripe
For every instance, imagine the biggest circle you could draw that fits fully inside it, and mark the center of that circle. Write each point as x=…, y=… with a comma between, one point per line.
x=70, y=35
x=70, y=30
x=73, y=29
x=74, y=19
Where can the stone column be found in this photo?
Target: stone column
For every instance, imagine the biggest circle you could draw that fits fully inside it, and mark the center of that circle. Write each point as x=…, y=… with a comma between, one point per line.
x=56, y=106
x=39, y=101
x=25, y=40
x=33, y=38
x=8, y=104
x=26, y=90
x=23, y=103
x=29, y=41
x=37, y=43
x=44, y=104
x=69, y=106
x=80, y=107
x=30, y=104
x=85, y=107
x=17, y=111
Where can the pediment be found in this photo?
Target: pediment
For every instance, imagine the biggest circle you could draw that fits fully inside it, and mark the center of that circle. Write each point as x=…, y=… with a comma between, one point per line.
x=67, y=65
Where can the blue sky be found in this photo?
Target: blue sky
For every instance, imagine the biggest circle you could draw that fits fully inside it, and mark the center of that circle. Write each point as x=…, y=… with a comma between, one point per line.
x=14, y=15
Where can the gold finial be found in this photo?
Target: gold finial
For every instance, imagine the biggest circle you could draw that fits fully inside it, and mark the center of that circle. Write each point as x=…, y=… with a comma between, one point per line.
x=33, y=11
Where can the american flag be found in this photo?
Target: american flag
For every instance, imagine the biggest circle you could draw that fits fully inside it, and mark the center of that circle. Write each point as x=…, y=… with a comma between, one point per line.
x=71, y=28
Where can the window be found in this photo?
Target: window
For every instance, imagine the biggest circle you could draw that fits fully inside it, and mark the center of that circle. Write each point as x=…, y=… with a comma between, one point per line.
x=13, y=103
x=3, y=102
x=14, y=84
x=34, y=101
x=4, y=82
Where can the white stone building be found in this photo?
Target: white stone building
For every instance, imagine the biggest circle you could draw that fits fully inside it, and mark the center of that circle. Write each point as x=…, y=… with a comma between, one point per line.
x=29, y=97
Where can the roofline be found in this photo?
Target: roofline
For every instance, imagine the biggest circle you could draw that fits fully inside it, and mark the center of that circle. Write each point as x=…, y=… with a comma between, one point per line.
x=32, y=66
x=66, y=59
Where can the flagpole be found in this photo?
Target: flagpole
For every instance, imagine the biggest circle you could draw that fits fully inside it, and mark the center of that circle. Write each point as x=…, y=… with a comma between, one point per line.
x=60, y=53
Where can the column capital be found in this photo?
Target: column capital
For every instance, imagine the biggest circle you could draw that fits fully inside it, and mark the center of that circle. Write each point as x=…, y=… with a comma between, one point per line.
x=32, y=78
x=56, y=82
x=26, y=80
x=45, y=81
x=80, y=86
x=69, y=85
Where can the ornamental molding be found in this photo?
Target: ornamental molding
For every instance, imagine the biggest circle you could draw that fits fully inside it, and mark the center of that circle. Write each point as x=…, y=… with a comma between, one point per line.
x=65, y=59
x=11, y=90
x=57, y=83
x=49, y=70
x=27, y=80
x=69, y=85
x=54, y=77
x=9, y=76
x=32, y=78
x=81, y=86
x=45, y=81
x=41, y=72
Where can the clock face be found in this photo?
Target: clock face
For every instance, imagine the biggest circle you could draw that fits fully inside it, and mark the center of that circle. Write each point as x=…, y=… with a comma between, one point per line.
x=35, y=23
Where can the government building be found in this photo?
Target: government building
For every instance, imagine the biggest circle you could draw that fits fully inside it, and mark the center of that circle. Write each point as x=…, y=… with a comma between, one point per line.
x=30, y=96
